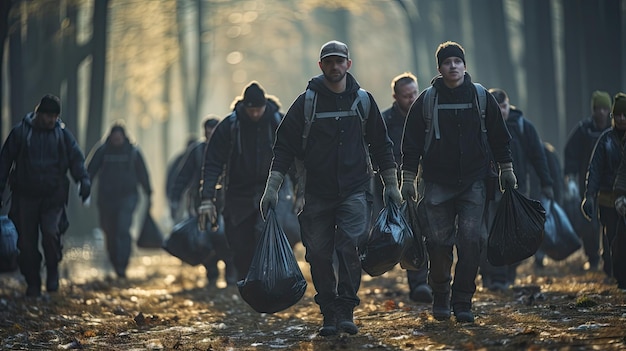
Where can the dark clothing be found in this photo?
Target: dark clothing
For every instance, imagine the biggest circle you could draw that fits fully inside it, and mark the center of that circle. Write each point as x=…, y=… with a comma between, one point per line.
x=41, y=158
x=336, y=160
x=187, y=176
x=337, y=209
x=394, y=120
x=455, y=173
x=120, y=171
x=459, y=157
x=556, y=173
x=239, y=155
x=603, y=166
x=527, y=151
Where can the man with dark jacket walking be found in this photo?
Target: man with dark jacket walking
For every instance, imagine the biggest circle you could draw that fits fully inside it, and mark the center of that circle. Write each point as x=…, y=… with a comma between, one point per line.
x=456, y=169
x=120, y=168
x=38, y=152
x=334, y=144
x=241, y=149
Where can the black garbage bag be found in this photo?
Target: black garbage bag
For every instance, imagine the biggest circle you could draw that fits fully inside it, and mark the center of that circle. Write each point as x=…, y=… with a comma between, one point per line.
x=274, y=281
x=560, y=240
x=188, y=243
x=415, y=255
x=8, y=245
x=287, y=219
x=517, y=229
x=388, y=240
x=150, y=236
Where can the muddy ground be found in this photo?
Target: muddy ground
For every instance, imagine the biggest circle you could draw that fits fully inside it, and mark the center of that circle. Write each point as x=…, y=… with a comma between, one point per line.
x=167, y=305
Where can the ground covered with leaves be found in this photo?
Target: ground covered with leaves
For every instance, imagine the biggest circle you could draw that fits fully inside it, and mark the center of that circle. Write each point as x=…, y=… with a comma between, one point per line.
x=167, y=305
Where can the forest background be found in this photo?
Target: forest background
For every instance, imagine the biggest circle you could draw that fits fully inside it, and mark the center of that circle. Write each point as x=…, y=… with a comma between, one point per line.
x=163, y=65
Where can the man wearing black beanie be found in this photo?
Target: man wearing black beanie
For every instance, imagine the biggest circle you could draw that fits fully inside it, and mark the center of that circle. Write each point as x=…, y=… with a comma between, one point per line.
x=452, y=149
x=36, y=157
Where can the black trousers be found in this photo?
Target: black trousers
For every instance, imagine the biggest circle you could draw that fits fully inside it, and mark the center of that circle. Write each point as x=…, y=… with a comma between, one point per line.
x=30, y=216
x=116, y=217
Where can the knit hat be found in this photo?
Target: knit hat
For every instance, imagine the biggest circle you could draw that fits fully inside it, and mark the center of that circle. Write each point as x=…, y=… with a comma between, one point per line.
x=619, y=104
x=49, y=104
x=600, y=99
x=334, y=48
x=254, y=95
x=449, y=49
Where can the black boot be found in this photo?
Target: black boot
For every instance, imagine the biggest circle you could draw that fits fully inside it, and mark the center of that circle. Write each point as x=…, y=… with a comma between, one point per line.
x=34, y=285
x=441, y=306
x=330, y=321
x=345, y=321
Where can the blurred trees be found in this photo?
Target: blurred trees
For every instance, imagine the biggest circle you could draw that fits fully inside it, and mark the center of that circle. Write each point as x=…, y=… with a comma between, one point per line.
x=162, y=65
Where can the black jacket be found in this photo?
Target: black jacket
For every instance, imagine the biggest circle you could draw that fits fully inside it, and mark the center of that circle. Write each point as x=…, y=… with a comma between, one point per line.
x=604, y=163
x=578, y=149
x=336, y=160
x=120, y=170
x=460, y=156
x=187, y=175
x=41, y=158
x=242, y=148
x=394, y=120
x=527, y=151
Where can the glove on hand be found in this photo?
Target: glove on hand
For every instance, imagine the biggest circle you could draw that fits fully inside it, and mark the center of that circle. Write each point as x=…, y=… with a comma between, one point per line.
x=206, y=212
x=620, y=205
x=298, y=205
x=588, y=207
x=548, y=192
x=507, y=177
x=391, y=192
x=270, y=195
x=85, y=189
x=409, y=186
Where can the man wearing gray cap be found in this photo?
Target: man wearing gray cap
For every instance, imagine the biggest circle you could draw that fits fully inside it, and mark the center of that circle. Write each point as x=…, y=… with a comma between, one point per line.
x=333, y=127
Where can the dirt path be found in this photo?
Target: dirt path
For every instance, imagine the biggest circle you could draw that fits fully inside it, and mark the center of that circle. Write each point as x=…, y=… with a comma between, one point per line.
x=166, y=305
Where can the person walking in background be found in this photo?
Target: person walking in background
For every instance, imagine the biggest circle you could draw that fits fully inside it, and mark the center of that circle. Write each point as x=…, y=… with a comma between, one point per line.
x=578, y=149
x=452, y=134
x=120, y=169
x=177, y=212
x=241, y=150
x=34, y=160
x=187, y=180
x=529, y=157
x=404, y=89
x=335, y=152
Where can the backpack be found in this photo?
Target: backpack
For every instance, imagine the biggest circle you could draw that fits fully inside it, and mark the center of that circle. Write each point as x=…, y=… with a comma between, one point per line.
x=431, y=109
x=310, y=104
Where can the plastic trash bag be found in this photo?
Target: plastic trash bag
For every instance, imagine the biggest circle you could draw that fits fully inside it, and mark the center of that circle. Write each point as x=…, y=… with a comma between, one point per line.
x=8, y=245
x=415, y=255
x=389, y=237
x=560, y=240
x=517, y=229
x=150, y=236
x=274, y=281
x=188, y=243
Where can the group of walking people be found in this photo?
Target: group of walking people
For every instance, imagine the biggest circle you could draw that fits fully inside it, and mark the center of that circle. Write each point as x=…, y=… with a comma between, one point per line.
x=456, y=146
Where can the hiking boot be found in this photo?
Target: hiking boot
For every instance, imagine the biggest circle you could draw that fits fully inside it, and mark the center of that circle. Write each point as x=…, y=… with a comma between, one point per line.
x=463, y=313
x=33, y=290
x=345, y=321
x=441, y=306
x=422, y=293
x=330, y=321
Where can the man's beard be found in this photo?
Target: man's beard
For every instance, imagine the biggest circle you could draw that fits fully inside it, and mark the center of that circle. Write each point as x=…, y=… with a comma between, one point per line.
x=334, y=79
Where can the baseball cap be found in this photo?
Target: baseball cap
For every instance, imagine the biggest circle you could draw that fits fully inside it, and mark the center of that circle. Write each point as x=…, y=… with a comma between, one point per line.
x=334, y=48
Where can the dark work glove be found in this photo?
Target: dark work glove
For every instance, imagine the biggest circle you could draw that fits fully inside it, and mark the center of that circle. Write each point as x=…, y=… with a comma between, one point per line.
x=270, y=195
x=85, y=189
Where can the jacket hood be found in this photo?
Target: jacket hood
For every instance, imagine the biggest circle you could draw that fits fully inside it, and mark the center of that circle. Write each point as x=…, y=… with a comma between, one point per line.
x=271, y=107
x=29, y=119
x=317, y=84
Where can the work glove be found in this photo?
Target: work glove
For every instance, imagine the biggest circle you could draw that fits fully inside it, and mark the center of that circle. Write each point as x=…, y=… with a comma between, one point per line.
x=85, y=189
x=409, y=186
x=207, y=213
x=548, y=192
x=507, y=177
x=270, y=195
x=391, y=192
x=620, y=205
x=588, y=207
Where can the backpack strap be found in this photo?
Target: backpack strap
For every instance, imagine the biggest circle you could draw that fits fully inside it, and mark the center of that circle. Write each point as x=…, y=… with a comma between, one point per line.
x=310, y=100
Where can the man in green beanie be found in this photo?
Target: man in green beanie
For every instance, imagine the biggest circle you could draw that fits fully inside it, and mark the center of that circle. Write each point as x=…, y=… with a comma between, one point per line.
x=578, y=151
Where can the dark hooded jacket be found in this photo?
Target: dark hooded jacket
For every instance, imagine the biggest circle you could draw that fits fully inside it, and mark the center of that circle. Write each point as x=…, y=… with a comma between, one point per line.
x=40, y=159
x=335, y=158
x=242, y=149
x=120, y=170
x=578, y=149
x=603, y=166
x=394, y=120
x=460, y=156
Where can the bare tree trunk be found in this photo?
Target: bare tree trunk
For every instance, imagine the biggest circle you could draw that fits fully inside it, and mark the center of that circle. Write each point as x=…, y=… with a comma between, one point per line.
x=98, y=67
